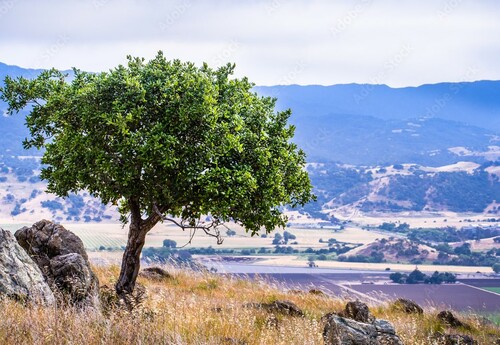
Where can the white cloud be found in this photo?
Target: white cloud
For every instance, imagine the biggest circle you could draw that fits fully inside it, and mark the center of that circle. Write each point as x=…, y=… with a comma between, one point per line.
x=333, y=42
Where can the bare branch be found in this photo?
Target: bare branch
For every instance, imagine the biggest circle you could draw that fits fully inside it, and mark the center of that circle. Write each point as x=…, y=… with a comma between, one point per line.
x=211, y=228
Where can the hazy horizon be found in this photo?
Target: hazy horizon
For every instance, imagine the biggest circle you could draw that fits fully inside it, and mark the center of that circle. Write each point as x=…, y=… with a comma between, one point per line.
x=272, y=42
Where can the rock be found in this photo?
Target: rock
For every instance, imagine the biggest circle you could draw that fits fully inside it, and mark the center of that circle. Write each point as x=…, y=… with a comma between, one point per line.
x=454, y=339
x=232, y=341
x=358, y=311
x=46, y=240
x=407, y=306
x=343, y=331
x=451, y=320
x=20, y=277
x=317, y=292
x=155, y=273
x=384, y=326
x=282, y=307
x=73, y=275
x=61, y=257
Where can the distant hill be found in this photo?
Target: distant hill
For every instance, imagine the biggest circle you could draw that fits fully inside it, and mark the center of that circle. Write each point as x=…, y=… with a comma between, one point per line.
x=473, y=103
x=462, y=187
x=376, y=124
x=365, y=124
x=369, y=147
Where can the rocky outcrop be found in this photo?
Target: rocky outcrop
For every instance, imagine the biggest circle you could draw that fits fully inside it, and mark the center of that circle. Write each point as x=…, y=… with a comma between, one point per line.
x=155, y=273
x=407, y=306
x=281, y=307
x=451, y=320
x=453, y=339
x=61, y=257
x=20, y=277
x=340, y=329
x=358, y=311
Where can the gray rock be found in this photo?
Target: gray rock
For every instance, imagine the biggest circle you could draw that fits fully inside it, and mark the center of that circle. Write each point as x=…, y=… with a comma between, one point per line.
x=72, y=274
x=454, y=339
x=61, y=257
x=281, y=307
x=20, y=277
x=384, y=326
x=358, y=311
x=343, y=331
x=155, y=273
x=407, y=306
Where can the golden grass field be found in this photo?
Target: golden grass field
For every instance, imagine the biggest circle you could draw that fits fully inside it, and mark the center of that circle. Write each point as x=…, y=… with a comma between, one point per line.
x=204, y=309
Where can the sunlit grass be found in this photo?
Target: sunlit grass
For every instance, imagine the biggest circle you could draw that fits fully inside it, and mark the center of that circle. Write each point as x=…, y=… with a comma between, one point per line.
x=202, y=308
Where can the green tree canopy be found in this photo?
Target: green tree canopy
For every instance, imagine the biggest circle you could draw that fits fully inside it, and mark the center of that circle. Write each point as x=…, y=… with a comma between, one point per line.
x=166, y=141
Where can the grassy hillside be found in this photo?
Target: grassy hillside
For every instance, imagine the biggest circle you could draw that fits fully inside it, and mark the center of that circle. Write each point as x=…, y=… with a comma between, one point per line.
x=196, y=308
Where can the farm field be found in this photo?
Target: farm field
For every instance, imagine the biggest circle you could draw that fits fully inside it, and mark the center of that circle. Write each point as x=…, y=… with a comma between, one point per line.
x=375, y=289
x=446, y=296
x=107, y=239
x=291, y=260
x=417, y=220
x=95, y=235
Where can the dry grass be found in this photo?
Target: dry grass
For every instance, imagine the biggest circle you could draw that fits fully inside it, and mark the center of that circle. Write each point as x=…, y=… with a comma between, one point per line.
x=200, y=308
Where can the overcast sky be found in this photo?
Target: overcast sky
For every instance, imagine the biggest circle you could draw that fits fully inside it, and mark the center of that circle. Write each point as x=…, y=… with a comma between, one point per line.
x=400, y=43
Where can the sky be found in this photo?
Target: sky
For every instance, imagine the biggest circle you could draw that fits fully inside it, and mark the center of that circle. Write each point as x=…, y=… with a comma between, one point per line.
x=399, y=43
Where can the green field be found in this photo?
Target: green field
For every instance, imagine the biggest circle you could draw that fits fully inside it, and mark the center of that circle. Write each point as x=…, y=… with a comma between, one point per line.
x=492, y=289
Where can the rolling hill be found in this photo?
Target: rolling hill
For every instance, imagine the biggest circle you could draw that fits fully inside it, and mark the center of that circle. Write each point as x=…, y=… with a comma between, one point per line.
x=368, y=146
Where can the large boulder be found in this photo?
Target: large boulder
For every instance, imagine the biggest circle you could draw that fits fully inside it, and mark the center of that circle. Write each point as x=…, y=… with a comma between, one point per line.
x=61, y=257
x=356, y=325
x=20, y=277
x=343, y=331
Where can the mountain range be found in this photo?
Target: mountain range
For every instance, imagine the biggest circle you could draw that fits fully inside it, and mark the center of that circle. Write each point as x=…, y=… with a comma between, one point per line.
x=368, y=146
x=377, y=124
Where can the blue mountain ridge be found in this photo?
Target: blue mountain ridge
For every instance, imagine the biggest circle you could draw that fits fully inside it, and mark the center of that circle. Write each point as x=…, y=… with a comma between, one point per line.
x=361, y=123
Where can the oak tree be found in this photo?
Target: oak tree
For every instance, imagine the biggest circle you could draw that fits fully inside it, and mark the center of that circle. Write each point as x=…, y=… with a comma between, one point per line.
x=166, y=141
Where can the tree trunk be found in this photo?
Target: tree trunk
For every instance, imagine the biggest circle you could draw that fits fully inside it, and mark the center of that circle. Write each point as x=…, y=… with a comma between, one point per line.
x=131, y=259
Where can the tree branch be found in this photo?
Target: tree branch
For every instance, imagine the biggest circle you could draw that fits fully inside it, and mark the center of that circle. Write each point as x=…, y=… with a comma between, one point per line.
x=209, y=228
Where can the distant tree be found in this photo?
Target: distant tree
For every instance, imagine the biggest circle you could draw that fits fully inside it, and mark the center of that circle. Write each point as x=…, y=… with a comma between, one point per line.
x=448, y=277
x=311, y=263
x=166, y=141
x=496, y=239
x=169, y=243
x=52, y=205
x=332, y=241
x=436, y=278
x=464, y=249
x=387, y=226
x=278, y=238
x=230, y=233
x=397, y=277
x=416, y=276
x=288, y=236
x=496, y=267
x=403, y=227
